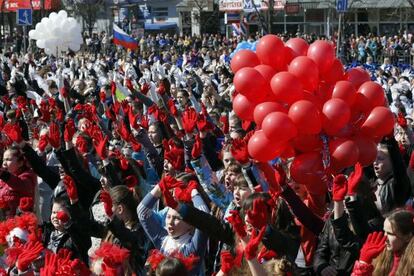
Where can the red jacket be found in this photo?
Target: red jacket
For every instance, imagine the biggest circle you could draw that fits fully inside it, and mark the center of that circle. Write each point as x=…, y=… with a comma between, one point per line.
x=13, y=187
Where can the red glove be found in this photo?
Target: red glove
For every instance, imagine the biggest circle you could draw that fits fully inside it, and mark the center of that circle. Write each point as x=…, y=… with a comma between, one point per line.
x=43, y=142
x=153, y=110
x=6, y=100
x=372, y=247
x=64, y=92
x=70, y=130
x=197, y=147
x=54, y=135
x=259, y=215
x=125, y=106
x=224, y=124
x=238, y=225
x=189, y=120
x=136, y=146
x=62, y=216
x=144, y=122
x=107, y=201
x=113, y=88
x=70, y=187
x=50, y=266
x=166, y=184
x=339, y=188
x=239, y=151
x=21, y=103
x=26, y=204
x=123, y=131
x=30, y=253
x=227, y=261
x=171, y=106
x=82, y=144
x=102, y=96
x=129, y=85
x=131, y=181
x=14, y=132
x=354, y=179
x=161, y=89
x=100, y=146
x=133, y=119
x=203, y=124
x=184, y=194
x=145, y=88
x=251, y=248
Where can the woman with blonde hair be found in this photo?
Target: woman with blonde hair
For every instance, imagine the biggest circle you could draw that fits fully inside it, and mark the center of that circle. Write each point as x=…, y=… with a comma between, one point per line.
x=389, y=253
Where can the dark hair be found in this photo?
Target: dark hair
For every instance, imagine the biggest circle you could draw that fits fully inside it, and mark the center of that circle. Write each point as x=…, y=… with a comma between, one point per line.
x=122, y=195
x=402, y=222
x=171, y=267
x=248, y=202
x=61, y=200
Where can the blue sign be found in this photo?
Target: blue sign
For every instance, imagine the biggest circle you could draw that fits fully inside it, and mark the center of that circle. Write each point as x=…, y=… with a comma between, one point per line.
x=24, y=17
x=342, y=5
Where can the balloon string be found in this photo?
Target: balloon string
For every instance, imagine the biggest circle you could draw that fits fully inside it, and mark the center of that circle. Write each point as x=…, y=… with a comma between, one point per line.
x=326, y=161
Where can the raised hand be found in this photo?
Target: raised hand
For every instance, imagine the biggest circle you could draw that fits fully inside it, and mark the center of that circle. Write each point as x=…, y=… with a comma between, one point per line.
x=31, y=252
x=354, y=179
x=239, y=151
x=238, y=225
x=251, y=248
x=136, y=146
x=259, y=215
x=372, y=247
x=203, y=124
x=197, y=148
x=339, y=188
x=54, y=135
x=14, y=132
x=100, y=144
x=70, y=130
x=106, y=199
x=224, y=124
x=82, y=144
x=70, y=188
x=227, y=261
x=145, y=88
x=183, y=194
x=189, y=119
x=171, y=106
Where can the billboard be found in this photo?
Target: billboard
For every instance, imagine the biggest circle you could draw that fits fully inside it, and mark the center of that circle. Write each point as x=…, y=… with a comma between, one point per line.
x=13, y=5
x=249, y=5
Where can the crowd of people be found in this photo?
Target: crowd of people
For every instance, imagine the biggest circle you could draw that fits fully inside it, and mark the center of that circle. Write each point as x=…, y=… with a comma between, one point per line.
x=134, y=163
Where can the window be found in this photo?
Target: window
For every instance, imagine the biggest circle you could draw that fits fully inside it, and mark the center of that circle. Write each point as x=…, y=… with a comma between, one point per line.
x=160, y=12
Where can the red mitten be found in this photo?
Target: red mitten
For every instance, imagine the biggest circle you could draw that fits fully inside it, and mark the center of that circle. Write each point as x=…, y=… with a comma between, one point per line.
x=107, y=201
x=70, y=187
x=354, y=179
x=189, y=120
x=30, y=253
x=197, y=148
x=259, y=215
x=26, y=204
x=339, y=188
x=372, y=247
x=171, y=106
x=251, y=248
x=54, y=135
x=62, y=216
x=239, y=151
x=70, y=130
x=238, y=225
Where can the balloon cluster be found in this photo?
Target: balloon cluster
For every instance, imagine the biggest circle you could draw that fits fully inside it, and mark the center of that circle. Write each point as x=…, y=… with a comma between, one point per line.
x=244, y=45
x=305, y=106
x=57, y=33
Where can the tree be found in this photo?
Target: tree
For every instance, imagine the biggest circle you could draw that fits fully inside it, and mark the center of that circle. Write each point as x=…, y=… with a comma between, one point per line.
x=87, y=9
x=205, y=13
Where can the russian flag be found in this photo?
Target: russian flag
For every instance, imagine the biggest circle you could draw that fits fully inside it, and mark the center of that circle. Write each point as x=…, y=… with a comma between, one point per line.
x=123, y=39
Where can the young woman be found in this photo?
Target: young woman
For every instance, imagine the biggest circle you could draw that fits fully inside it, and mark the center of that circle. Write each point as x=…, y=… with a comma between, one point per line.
x=390, y=253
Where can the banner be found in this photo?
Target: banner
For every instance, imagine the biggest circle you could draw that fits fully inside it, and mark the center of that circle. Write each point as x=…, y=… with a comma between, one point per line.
x=231, y=5
x=249, y=5
x=13, y=5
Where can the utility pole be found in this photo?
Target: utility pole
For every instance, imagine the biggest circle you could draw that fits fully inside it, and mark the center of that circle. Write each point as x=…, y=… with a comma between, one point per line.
x=270, y=11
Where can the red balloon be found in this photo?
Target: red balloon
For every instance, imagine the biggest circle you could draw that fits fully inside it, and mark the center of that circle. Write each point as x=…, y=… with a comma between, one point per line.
x=286, y=87
x=335, y=73
x=262, y=109
x=244, y=58
x=336, y=115
x=344, y=153
x=324, y=92
x=298, y=45
x=307, y=143
x=249, y=82
x=357, y=76
x=314, y=98
x=262, y=149
x=345, y=90
x=322, y=53
x=266, y=71
x=270, y=51
x=288, y=152
x=306, y=71
x=370, y=94
x=289, y=55
x=367, y=150
x=307, y=168
x=243, y=107
x=380, y=122
x=306, y=117
x=278, y=126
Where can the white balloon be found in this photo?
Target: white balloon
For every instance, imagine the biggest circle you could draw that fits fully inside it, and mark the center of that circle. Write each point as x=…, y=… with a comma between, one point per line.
x=40, y=43
x=75, y=47
x=53, y=15
x=63, y=14
x=45, y=20
x=48, y=51
x=32, y=34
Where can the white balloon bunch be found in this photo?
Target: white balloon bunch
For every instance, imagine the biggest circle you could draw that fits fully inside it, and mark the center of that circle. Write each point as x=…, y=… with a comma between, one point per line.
x=57, y=33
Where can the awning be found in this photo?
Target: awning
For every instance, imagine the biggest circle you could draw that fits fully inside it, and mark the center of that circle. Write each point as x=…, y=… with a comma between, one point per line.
x=160, y=26
x=13, y=5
